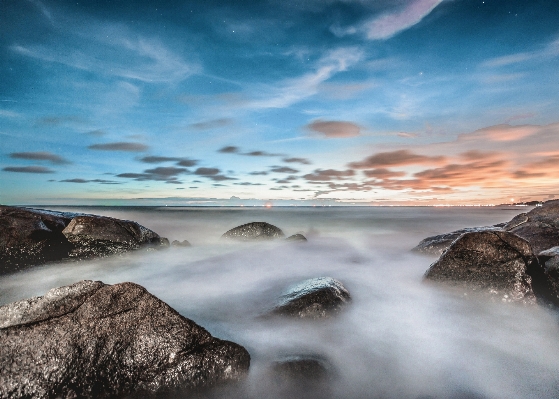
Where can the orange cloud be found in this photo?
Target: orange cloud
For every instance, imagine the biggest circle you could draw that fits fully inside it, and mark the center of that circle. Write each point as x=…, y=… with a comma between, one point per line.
x=383, y=173
x=396, y=158
x=503, y=132
x=334, y=129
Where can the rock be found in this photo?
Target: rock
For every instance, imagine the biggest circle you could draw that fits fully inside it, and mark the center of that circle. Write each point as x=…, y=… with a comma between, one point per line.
x=29, y=236
x=93, y=340
x=549, y=258
x=95, y=236
x=184, y=243
x=254, y=231
x=436, y=245
x=490, y=262
x=540, y=226
x=314, y=298
x=297, y=238
x=307, y=367
x=33, y=236
x=549, y=275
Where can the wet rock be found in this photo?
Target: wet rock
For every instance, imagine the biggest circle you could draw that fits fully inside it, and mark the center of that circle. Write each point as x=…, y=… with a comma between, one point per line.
x=254, y=231
x=29, y=236
x=94, y=340
x=436, y=245
x=32, y=237
x=549, y=275
x=314, y=298
x=296, y=238
x=97, y=236
x=310, y=367
x=177, y=243
x=489, y=262
x=540, y=226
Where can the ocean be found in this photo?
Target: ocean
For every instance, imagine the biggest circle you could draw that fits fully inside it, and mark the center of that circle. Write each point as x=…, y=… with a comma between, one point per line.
x=398, y=338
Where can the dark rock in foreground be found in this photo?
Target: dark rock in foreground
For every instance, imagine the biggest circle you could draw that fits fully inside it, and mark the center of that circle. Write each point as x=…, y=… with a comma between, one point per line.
x=177, y=243
x=436, y=245
x=254, y=231
x=489, y=262
x=296, y=238
x=33, y=237
x=540, y=226
x=314, y=298
x=96, y=341
x=549, y=260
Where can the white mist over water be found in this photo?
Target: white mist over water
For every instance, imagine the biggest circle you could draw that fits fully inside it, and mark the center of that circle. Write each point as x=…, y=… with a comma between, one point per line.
x=399, y=338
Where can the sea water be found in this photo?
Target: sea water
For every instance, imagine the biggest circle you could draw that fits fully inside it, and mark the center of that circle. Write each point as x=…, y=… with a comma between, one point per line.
x=399, y=337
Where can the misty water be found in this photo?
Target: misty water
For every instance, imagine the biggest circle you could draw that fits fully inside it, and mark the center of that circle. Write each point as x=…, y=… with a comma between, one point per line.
x=399, y=337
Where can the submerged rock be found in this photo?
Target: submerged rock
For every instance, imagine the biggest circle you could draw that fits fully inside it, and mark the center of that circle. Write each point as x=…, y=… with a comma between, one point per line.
x=436, y=245
x=540, y=226
x=314, y=298
x=96, y=341
x=489, y=262
x=296, y=238
x=308, y=367
x=254, y=231
x=33, y=237
x=184, y=243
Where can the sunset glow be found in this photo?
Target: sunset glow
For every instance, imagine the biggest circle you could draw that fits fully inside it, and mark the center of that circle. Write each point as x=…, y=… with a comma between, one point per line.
x=412, y=102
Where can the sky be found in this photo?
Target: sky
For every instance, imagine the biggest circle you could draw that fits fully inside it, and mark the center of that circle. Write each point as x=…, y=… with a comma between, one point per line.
x=369, y=102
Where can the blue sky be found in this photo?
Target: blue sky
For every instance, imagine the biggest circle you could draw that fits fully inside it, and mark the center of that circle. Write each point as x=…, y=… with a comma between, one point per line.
x=372, y=102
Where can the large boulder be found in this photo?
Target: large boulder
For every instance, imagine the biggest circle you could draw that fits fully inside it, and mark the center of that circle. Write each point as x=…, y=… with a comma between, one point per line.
x=549, y=274
x=30, y=236
x=95, y=236
x=314, y=298
x=540, y=226
x=436, y=245
x=489, y=262
x=33, y=236
x=254, y=231
x=93, y=340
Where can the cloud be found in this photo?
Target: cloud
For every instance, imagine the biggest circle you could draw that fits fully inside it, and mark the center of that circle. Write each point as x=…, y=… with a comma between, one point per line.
x=96, y=133
x=263, y=173
x=392, y=22
x=120, y=146
x=40, y=156
x=212, y=124
x=81, y=181
x=502, y=132
x=213, y=174
x=186, y=162
x=283, y=169
x=9, y=114
x=383, y=173
x=334, y=129
x=230, y=149
x=59, y=120
x=302, y=161
x=111, y=49
x=395, y=158
x=261, y=154
x=28, y=169
x=248, y=184
x=329, y=174
x=166, y=174
x=294, y=90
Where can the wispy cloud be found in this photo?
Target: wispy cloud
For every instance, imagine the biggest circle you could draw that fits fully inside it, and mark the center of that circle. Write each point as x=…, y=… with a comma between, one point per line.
x=212, y=124
x=294, y=90
x=303, y=161
x=109, y=49
x=28, y=169
x=120, y=146
x=321, y=175
x=83, y=181
x=391, y=22
x=396, y=158
x=40, y=156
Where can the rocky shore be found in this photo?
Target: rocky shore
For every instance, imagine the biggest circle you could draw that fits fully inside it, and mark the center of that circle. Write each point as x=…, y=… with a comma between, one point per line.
x=514, y=262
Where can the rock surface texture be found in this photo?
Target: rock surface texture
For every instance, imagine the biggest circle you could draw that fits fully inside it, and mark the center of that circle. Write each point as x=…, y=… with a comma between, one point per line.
x=549, y=260
x=296, y=238
x=540, y=226
x=489, y=262
x=314, y=298
x=32, y=237
x=254, y=231
x=92, y=340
